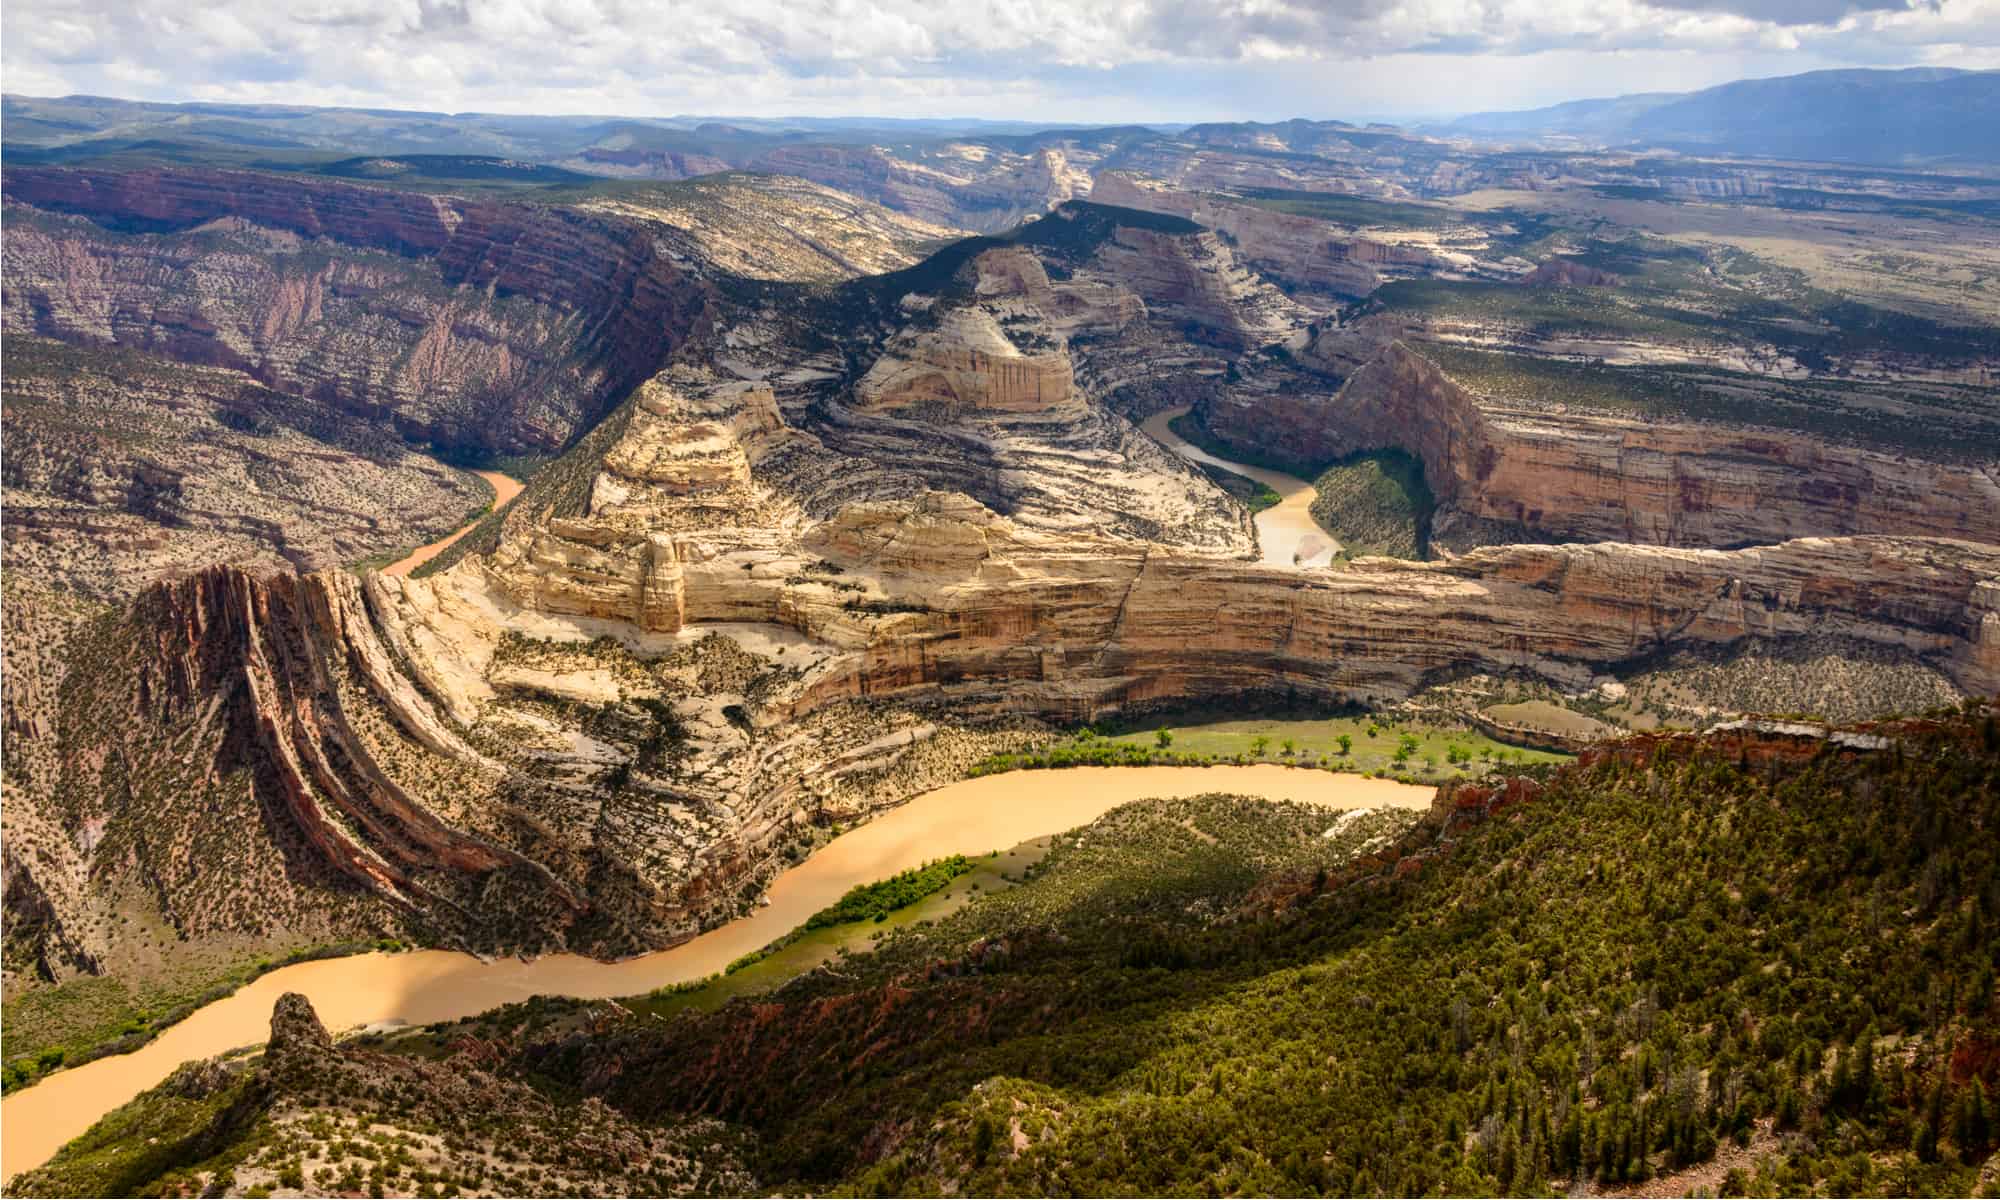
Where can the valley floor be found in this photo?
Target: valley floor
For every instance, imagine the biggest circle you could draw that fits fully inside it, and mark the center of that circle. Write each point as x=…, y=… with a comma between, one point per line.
x=975, y=816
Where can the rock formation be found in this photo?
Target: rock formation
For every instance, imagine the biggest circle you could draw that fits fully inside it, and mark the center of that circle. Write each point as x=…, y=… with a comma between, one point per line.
x=1567, y=272
x=1508, y=474
x=465, y=323
x=1300, y=250
x=123, y=467
x=851, y=539
x=966, y=364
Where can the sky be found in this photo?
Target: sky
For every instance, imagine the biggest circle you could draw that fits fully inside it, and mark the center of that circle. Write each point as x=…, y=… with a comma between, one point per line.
x=1096, y=61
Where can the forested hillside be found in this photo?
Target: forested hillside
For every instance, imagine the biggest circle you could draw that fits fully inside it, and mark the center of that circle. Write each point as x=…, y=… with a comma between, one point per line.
x=1760, y=961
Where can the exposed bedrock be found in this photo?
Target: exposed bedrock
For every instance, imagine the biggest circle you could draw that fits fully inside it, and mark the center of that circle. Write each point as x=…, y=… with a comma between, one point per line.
x=273, y=651
x=941, y=595
x=351, y=755
x=966, y=363
x=1301, y=250
x=465, y=322
x=969, y=190
x=1517, y=474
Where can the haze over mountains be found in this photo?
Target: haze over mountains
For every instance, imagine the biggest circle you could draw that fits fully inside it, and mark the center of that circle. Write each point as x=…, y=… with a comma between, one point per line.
x=1884, y=117
x=1914, y=115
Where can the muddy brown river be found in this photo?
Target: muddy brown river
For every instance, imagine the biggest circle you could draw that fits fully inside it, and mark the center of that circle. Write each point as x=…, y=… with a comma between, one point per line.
x=504, y=489
x=1287, y=535
x=970, y=817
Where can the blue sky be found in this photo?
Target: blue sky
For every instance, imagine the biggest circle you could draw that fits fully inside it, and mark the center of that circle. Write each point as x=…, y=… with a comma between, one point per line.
x=1041, y=60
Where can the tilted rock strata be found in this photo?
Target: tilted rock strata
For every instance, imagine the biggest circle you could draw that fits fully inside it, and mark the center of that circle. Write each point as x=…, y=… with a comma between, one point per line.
x=541, y=750
x=1300, y=250
x=463, y=322
x=965, y=187
x=978, y=608
x=775, y=227
x=319, y=758
x=967, y=362
x=1195, y=282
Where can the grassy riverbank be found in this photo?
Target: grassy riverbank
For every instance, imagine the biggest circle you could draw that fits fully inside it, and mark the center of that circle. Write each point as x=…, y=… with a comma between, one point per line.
x=1367, y=744
x=70, y=1023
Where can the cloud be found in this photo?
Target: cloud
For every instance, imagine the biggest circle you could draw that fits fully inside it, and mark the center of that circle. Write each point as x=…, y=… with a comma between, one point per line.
x=1791, y=12
x=1044, y=59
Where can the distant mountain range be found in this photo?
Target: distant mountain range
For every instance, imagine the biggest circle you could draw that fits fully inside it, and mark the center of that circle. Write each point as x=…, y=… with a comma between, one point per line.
x=91, y=125
x=1915, y=116
x=1923, y=114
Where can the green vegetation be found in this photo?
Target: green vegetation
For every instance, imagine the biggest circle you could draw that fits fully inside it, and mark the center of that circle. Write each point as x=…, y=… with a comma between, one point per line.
x=560, y=487
x=1376, y=503
x=1188, y=428
x=1069, y=234
x=1546, y=312
x=70, y=1023
x=804, y=949
x=1825, y=408
x=1368, y=744
x=1246, y=491
x=1714, y=970
x=135, y=1148
x=875, y=901
x=1356, y=211
x=1715, y=310
x=388, y=558
x=447, y=170
x=1613, y=981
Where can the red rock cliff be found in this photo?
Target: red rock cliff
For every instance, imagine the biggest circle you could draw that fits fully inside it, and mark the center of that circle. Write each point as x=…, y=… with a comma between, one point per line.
x=1501, y=474
x=467, y=322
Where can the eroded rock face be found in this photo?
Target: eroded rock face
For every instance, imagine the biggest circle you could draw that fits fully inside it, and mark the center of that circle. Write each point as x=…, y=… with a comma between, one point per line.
x=776, y=591
x=536, y=752
x=1502, y=474
x=121, y=468
x=467, y=323
x=647, y=698
x=963, y=186
x=982, y=390
x=776, y=227
x=1301, y=250
x=967, y=364
x=1197, y=283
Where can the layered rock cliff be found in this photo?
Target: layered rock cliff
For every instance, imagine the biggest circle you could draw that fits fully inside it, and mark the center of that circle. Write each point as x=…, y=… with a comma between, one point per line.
x=123, y=467
x=552, y=750
x=867, y=535
x=1509, y=474
x=1299, y=250
x=965, y=186
x=466, y=323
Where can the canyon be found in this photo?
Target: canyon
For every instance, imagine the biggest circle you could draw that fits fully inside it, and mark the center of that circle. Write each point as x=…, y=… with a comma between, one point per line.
x=448, y=321
x=1505, y=473
x=826, y=505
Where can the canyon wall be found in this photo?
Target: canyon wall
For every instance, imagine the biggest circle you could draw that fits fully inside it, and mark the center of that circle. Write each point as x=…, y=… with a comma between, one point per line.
x=608, y=733
x=123, y=467
x=985, y=614
x=469, y=323
x=1502, y=474
x=961, y=186
x=1300, y=250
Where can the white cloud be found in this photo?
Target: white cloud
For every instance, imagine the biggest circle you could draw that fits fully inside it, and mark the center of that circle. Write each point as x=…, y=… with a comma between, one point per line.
x=1043, y=59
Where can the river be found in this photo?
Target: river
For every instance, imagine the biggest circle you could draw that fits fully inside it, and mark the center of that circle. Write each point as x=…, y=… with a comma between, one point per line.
x=993, y=812
x=1287, y=535
x=505, y=488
